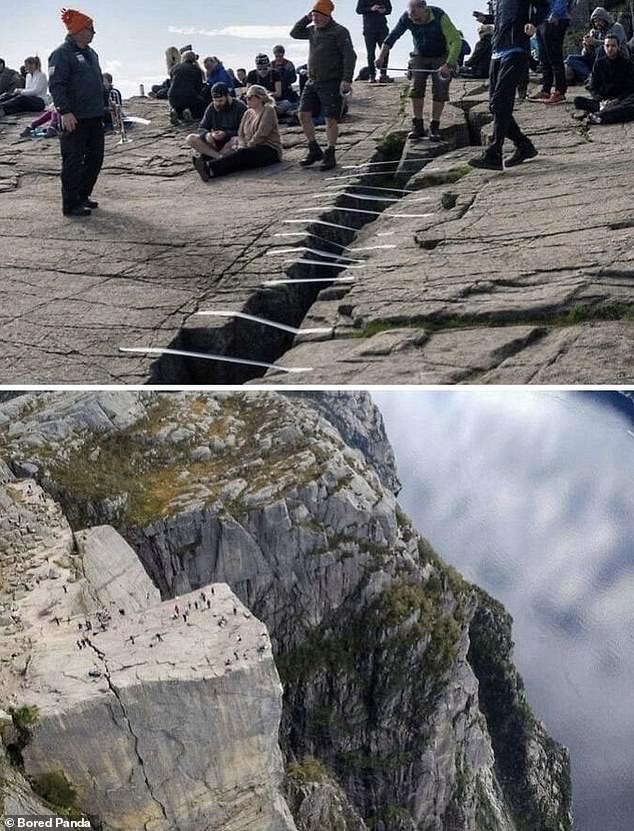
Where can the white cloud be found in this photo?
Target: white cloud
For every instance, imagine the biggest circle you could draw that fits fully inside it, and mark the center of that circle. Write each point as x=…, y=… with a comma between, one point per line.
x=245, y=32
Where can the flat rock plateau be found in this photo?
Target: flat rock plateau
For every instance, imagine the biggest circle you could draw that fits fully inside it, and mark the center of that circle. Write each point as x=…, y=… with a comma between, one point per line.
x=475, y=277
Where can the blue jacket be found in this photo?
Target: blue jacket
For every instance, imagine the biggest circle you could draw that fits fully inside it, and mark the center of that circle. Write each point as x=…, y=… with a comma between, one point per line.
x=220, y=75
x=559, y=9
x=74, y=80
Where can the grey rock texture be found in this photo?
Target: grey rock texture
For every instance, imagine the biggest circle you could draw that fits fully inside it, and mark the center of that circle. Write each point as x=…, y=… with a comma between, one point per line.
x=402, y=710
x=494, y=277
x=360, y=425
x=158, y=720
x=127, y=277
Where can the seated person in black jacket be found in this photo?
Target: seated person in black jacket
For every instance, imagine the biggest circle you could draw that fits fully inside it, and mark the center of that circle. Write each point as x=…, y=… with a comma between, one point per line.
x=611, y=85
x=185, y=90
x=478, y=64
x=219, y=125
x=271, y=79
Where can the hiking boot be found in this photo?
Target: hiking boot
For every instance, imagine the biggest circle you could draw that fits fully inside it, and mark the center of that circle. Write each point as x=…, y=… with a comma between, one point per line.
x=524, y=151
x=78, y=211
x=386, y=79
x=556, y=98
x=540, y=96
x=418, y=130
x=329, y=161
x=187, y=116
x=202, y=167
x=315, y=154
x=434, y=131
x=174, y=118
x=372, y=81
x=489, y=160
x=26, y=133
x=90, y=203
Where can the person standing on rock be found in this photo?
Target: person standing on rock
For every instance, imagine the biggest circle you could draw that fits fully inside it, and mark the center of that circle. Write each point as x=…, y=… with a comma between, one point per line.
x=331, y=62
x=375, y=30
x=437, y=45
x=76, y=84
x=515, y=22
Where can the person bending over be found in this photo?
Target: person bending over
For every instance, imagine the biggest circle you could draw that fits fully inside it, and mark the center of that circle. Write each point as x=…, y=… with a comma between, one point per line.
x=375, y=30
x=258, y=143
x=611, y=86
x=31, y=99
x=437, y=45
x=185, y=91
x=220, y=124
x=515, y=23
x=331, y=61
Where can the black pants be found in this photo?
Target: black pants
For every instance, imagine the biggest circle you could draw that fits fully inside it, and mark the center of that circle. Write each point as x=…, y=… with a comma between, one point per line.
x=23, y=104
x=82, y=158
x=618, y=114
x=550, y=37
x=244, y=159
x=504, y=76
x=195, y=105
x=374, y=38
x=589, y=105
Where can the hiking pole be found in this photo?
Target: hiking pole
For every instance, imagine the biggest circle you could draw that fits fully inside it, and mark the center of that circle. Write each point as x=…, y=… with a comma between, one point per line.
x=407, y=69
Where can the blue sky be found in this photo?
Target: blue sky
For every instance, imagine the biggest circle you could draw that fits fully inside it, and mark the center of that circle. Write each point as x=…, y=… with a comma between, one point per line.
x=132, y=37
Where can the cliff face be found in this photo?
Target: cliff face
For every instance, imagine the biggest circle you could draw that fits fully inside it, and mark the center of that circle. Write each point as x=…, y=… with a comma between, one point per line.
x=402, y=710
x=155, y=720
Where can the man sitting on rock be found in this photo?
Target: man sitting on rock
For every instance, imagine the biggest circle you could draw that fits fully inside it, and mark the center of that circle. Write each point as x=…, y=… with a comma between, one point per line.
x=579, y=67
x=271, y=79
x=478, y=64
x=437, y=45
x=219, y=125
x=10, y=79
x=611, y=86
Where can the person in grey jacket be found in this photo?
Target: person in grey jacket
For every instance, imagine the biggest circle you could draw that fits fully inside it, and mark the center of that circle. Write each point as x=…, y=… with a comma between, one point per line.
x=76, y=84
x=331, y=60
x=10, y=79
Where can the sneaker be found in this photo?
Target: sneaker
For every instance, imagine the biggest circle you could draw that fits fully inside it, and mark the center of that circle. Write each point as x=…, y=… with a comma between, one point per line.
x=524, y=151
x=540, y=96
x=418, y=129
x=315, y=154
x=488, y=161
x=595, y=118
x=556, y=98
x=386, y=79
x=372, y=81
x=329, y=161
x=202, y=167
x=26, y=133
x=174, y=118
x=90, y=203
x=187, y=116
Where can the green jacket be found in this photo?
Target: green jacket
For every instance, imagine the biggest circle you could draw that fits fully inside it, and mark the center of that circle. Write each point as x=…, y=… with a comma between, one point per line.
x=331, y=56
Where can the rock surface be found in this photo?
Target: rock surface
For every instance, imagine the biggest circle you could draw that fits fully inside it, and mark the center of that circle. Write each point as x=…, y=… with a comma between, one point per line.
x=137, y=701
x=402, y=709
x=482, y=278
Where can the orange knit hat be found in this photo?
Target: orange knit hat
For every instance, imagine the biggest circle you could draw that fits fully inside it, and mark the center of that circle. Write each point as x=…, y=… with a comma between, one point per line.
x=326, y=7
x=76, y=21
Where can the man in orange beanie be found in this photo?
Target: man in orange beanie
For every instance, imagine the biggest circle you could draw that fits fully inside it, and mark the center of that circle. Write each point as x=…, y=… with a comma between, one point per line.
x=76, y=84
x=331, y=60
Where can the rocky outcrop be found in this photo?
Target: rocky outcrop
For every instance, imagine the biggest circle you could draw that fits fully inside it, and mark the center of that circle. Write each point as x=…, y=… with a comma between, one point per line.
x=401, y=709
x=360, y=425
x=150, y=715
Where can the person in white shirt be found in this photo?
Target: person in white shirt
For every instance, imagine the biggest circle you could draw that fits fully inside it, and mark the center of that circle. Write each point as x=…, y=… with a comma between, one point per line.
x=31, y=99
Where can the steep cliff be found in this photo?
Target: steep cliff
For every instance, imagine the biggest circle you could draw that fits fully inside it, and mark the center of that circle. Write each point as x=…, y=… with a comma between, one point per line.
x=402, y=710
x=124, y=708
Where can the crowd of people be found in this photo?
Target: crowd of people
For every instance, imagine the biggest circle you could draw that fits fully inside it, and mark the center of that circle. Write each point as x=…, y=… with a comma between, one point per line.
x=239, y=112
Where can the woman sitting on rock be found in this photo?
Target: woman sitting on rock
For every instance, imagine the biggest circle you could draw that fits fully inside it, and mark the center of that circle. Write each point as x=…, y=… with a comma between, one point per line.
x=31, y=99
x=258, y=143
